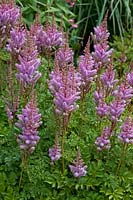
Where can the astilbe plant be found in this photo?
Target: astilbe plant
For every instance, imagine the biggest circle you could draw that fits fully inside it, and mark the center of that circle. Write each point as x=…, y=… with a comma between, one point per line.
x=16, y=40
x=103, y=142
x=52, y=37
x=37, y=32
x=9, y=14
x=102, y=53
x=126, y=134
x=64, y=84
x=86, y=68
x=55, y=151
x=29, y=62
x=64, y=55
x=29, y=122
x=78, y=168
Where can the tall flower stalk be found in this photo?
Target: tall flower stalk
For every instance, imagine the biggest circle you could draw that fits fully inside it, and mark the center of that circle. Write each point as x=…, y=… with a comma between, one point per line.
x=64, y=85
x=29, y=122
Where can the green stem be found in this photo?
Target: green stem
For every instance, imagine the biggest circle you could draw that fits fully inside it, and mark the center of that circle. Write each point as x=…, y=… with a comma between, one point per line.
x=122, y=159
x=22, y=170
x=82, y=112
x=63, y=142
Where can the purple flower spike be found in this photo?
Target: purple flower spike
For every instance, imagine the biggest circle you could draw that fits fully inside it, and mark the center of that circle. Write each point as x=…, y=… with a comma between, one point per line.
x=116, y=108
x=29, y=63
x=103, y=142
x=36, y=30
x=86, y=66
x=98, y=97
x=102, y=109
x=124, y=91
x=9, y=14
x=16, y=40
x=130, y=78
x=64, y=84
x=101, y=32
x=9, y=113
x=102, y=53
x=64, y=55
x=108, y=77
x=55, y=153
x=29, y=122
x=52, y=37
x=78, y=168
x=126, y=134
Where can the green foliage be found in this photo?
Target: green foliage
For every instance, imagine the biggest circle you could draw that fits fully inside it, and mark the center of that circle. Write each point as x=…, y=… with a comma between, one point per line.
x=46, y=9
x=123, y=51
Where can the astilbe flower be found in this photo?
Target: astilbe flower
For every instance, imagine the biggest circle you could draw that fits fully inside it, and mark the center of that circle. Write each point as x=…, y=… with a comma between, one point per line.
x=126, y=134
x=86, y=67
x=67, y=95
x=55, y=151
x=29, y=122
x=102, y=109
x=116, y=108
x=64, y=85
x=101, y=54
x=9, y=14
x=78, y=168
x=125, y=91
x=37, y=31
x=29, y=63
x=98, y=97
x=16, y=40
x=64, y=55
x=108, y=77
x=52, y=38
x=9, y=113
x=129, y=78
x=103, y=142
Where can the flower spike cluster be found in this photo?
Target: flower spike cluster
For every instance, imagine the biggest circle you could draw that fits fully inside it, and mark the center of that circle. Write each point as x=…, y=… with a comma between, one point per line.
x=126, y=134
x=29, y=122
x=52, y=37
x=101, y=54
x=64, y=85
x=64, y=55
x=16, y=40
x=108, y=77
x=46, y=38
x=9, y=14
x=28, y=72
x=86, y=67
x=78, y=168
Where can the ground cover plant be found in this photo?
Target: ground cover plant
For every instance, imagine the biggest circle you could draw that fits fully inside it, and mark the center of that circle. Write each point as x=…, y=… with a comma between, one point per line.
x=66, y=128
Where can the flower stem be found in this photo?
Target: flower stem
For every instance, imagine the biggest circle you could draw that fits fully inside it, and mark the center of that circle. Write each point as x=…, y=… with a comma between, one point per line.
x=63, y=141
x=121, y=161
